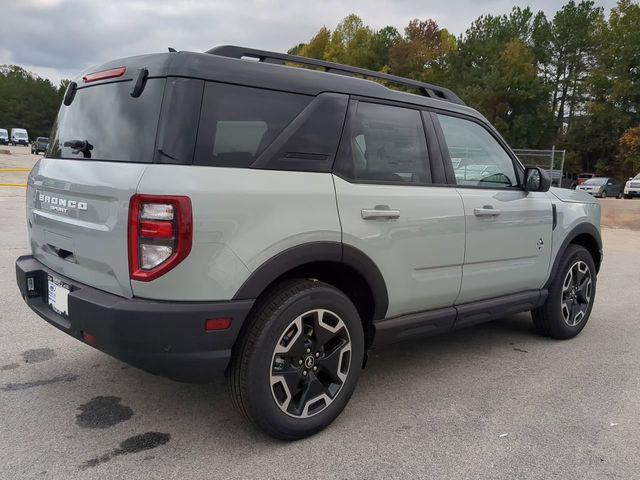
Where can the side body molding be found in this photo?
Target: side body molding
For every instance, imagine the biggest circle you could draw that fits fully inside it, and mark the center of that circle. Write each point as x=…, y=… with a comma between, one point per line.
x=315, y=252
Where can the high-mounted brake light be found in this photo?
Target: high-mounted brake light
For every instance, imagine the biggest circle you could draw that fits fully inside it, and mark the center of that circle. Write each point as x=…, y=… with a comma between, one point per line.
x=104, y=74
x=160, y=234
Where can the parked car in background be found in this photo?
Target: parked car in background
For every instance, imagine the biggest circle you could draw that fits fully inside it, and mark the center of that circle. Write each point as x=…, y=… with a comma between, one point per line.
x=4, y=137
x=19, y=136
x=602, y=187
x=632, y=187
x=40, y=145
x=582, y=177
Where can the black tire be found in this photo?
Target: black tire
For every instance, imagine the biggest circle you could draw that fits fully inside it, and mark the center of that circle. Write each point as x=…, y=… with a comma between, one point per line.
x=550, y=318
x=619, y=196
x=604, y=194
x=255, y=358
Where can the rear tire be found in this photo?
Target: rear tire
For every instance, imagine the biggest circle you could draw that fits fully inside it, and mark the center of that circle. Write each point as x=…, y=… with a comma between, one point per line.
x=298, y=360
x=619, y=196
x=571, y=295
x=604, y=194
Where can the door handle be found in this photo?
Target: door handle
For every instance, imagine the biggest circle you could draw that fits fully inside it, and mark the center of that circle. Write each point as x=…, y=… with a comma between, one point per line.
x=380, y=211
x=486, y=211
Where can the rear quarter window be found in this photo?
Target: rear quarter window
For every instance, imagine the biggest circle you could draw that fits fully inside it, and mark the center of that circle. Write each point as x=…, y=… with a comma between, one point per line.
x=118, y=126
x=238, y=123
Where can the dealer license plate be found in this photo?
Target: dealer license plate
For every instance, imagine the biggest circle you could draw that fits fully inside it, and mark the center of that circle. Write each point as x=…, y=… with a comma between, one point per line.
x=58, y=296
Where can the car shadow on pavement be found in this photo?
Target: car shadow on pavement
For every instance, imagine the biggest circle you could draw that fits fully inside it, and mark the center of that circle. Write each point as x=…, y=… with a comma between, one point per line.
x=388, y=369
x=393, y=375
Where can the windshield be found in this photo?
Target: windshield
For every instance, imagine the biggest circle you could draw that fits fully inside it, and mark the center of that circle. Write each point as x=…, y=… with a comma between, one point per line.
x=637, y=177
x=104, y=122
x=3, y=134
x=43, y=139
x=20, y=135
x=596, y=181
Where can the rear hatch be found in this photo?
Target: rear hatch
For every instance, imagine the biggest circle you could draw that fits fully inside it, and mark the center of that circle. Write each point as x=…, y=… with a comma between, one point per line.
x=78, y=195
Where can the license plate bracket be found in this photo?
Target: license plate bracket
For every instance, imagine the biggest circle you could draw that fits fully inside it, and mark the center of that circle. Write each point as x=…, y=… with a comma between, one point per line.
x=58, y=295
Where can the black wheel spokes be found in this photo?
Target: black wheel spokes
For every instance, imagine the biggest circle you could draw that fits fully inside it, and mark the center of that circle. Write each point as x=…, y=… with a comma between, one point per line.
x=310, y=363
x=330, y=362
x=313, y=391
x=576, y=293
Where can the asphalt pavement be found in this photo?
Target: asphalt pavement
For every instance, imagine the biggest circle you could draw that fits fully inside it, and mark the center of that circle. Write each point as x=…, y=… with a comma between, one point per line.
x=494, y=401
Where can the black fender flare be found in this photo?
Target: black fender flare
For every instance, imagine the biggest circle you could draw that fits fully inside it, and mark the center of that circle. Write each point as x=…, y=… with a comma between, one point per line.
x=583, y=228
x=313, y=252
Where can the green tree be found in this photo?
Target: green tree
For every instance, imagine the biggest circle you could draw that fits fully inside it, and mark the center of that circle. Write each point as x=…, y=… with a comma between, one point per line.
x=27, y=101
x=573, y=80
x=572, y=47
x=498, y=69
x=317, y=46
x=353, y=43
x=629, y=152
x=613, y=86
x=383, y=41
x=423, y=51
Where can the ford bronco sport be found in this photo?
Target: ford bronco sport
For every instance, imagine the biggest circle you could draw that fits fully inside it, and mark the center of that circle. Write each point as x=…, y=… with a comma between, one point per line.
x=232, y=212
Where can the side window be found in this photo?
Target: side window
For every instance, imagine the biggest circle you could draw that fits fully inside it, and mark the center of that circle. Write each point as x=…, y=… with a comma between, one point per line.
x=478, y=159
x=238, y=123
x=385, y=144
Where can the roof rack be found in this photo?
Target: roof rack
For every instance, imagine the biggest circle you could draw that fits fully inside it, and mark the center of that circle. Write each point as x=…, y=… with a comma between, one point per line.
x=426, y=89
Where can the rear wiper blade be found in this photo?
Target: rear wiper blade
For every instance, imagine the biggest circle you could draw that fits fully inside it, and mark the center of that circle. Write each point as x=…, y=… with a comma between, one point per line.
x=80, y=146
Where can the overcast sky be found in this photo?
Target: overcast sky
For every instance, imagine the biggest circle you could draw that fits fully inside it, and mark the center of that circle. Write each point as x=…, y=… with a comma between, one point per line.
x=58, y=38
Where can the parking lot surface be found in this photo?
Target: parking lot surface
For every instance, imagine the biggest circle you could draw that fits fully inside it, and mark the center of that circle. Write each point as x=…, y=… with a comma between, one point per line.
x=494, y=401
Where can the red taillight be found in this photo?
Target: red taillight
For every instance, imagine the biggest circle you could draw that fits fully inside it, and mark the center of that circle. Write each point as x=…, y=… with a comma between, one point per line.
x=156, y=229
x=160, y=234
x=213, y=324
x=104, y=74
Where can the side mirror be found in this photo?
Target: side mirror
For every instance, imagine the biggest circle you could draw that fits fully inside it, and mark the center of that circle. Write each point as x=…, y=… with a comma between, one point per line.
x=536, y=180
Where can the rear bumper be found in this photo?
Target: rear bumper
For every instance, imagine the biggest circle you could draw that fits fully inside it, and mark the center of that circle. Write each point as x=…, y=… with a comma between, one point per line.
x=164, y=338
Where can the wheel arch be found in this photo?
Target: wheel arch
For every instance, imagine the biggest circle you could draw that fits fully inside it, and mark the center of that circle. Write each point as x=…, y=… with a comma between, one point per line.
x=586, y=235
x=343, y=266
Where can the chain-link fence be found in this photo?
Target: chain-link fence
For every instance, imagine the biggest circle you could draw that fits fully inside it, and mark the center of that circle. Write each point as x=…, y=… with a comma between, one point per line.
x=551, y=160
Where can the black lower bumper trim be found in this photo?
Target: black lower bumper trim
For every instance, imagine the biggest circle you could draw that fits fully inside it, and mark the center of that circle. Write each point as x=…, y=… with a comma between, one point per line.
x=165, y=338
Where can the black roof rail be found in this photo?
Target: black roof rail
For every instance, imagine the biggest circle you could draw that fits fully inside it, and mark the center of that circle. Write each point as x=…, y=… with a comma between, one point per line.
x=426, y=89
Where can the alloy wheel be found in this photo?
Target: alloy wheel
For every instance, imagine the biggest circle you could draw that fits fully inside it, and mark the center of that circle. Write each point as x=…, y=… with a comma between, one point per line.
x=310, y=363
x=576, y=293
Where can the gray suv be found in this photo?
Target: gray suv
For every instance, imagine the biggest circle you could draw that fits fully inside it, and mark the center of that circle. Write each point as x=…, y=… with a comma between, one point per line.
x=226, y=212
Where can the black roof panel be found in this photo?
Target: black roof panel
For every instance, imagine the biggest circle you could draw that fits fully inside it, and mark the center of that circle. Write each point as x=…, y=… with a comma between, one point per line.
x=272, y=76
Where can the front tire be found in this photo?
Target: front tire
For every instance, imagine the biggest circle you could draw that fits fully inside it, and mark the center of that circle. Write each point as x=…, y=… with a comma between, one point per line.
x=570, y=298
x=298, y=360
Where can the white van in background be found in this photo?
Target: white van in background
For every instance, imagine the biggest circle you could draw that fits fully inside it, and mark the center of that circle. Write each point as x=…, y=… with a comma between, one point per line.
x=19, y=136
x=4, y=137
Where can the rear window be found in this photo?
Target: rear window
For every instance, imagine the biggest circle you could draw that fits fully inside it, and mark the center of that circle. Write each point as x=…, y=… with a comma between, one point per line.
x=239, y=123
x=118, y=126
